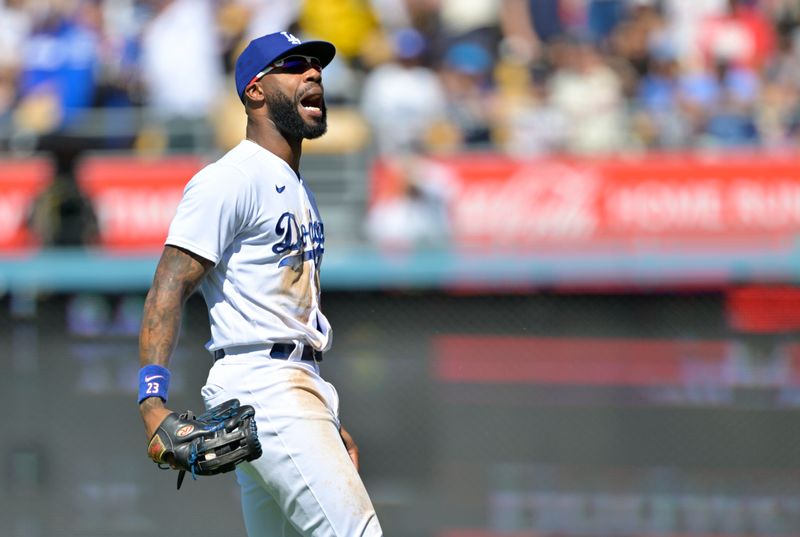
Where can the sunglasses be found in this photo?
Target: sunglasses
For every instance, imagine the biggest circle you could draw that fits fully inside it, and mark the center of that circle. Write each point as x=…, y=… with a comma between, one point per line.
x=296, y=64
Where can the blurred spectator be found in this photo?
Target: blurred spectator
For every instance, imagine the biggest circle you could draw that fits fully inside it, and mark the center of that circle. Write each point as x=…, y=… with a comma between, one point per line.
x=685, y=21
x=779, y=108
x=416, y=213
x=402, y=99
x=634, y=40
x=466, y=74
x=527, y=125
x=15, y=25
x=545, y=17
x=731, y=120
x=181, y=66
x=741, y=36
x=720, y=104
x=119, y=24
x=393, y=14
x=659, y=121
x=57, y=79
x=589, y=94
x=234, y=21
x=476, y=21
x=604, y=15
x=267, y=16
x=7, y=95
x=528, y=23
x=348, y=24
x=538, y=130
x=786, y=16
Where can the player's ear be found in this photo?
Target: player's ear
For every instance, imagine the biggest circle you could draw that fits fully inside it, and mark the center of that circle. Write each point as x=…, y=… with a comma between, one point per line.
x=254, y=93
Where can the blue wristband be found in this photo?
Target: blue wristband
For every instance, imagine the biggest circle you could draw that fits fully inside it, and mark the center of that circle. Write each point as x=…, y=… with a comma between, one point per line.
x=153, y=382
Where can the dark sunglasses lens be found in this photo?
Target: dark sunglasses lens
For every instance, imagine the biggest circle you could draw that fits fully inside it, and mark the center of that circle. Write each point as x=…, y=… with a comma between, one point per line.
x=299, y=65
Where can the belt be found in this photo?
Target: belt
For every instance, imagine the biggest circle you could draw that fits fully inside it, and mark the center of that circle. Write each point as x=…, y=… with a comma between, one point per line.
x=281, y=351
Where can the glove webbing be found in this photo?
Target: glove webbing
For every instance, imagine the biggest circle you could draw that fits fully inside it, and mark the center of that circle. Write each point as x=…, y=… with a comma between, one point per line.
x=219, y=420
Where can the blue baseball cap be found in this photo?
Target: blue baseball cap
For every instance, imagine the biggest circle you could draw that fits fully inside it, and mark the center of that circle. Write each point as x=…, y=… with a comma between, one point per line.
x=468, y=57
x=264, y=50
x=408, y=43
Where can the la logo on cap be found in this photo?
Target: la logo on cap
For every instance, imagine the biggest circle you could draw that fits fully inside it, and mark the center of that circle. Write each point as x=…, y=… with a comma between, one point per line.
x=292, y=39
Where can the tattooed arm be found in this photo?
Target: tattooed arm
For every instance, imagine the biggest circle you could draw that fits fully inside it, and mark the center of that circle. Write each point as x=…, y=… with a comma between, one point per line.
x=178, y=274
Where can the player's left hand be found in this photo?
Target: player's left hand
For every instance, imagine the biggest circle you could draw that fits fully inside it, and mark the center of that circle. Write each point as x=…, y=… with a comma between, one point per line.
x=209, y=444
x=350, y=446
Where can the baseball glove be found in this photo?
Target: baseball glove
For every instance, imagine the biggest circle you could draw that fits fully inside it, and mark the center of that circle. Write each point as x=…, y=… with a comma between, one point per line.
x=208, y=444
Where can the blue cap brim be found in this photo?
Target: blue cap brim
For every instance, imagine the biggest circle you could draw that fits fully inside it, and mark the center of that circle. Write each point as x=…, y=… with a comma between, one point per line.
x=321, y=50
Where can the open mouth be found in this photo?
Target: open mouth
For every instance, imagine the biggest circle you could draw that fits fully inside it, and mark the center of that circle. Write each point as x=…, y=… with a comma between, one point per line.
x=312, y=103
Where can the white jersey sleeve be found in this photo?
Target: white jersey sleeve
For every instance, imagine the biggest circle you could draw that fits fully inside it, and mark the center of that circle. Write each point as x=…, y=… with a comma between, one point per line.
x=213, y=210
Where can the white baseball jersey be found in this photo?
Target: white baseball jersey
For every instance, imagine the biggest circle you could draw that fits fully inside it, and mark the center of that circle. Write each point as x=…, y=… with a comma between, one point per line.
x=258, y=223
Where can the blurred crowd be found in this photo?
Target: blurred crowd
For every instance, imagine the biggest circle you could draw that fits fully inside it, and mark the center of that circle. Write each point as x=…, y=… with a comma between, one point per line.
x=526, y=77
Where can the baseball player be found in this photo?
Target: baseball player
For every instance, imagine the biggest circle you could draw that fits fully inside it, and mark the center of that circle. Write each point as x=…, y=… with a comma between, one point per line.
x=247, y=232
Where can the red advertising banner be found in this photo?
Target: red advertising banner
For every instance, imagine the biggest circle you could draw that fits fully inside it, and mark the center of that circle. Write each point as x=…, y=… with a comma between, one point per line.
x=763, y=309
x=21, y=181
x=135, y=198
x=667, y=199
x=468, y=359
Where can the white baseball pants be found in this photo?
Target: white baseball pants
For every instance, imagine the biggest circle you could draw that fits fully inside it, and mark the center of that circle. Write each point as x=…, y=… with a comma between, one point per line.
x=304, y=484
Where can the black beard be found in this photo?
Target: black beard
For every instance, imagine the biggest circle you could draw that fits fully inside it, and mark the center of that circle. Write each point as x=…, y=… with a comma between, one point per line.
x=286, y=117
